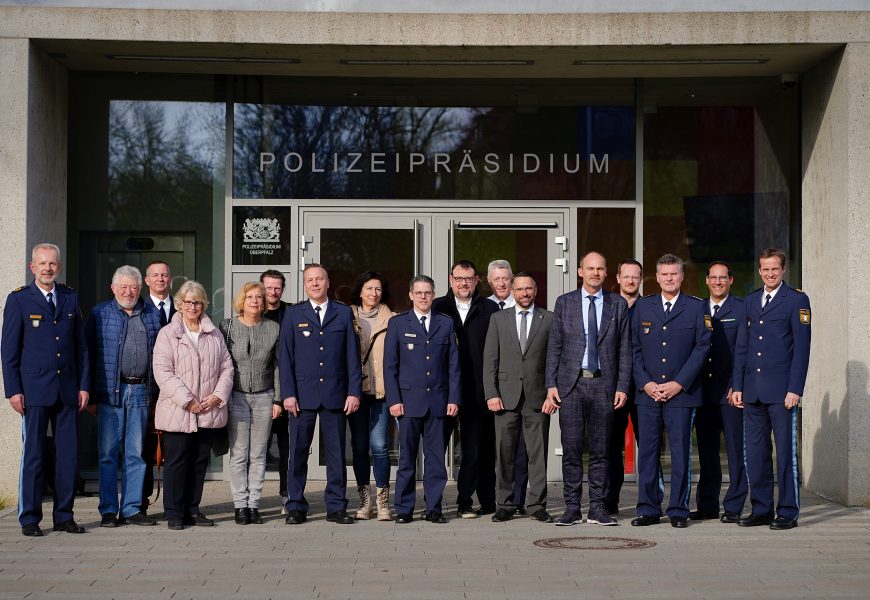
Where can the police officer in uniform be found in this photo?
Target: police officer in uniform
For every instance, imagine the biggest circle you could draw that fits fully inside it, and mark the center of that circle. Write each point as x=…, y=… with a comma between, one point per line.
x=770, y=370
x=46, y=378
x=670, y=339
x=716, y=415
x=320, y=377
x=420, y=362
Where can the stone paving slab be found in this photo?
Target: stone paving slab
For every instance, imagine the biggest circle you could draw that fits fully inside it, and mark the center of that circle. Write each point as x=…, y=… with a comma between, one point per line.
x=828, y=556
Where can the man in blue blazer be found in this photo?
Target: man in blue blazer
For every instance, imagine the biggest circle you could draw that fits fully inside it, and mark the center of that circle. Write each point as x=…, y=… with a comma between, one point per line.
x=421, y=360
x=770, y=370
x=320, y=376
x=46, y=378
x=716, y=416
x=587, y=377
x=670, y=340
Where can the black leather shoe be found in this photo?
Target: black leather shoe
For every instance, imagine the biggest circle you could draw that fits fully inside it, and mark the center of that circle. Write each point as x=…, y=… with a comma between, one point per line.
x=502, y=515
x=256, y=519
x=340, y=517
x=729, y=517
x=141, y=520
x=69, y=527
x=437, y=517
x=754, y=520
x=403, y=518
x=109, y=520
x=521, y=511
x=700, y=515
x=295, y=517
x=781, y=523
x=202, y=520
x=645, y=520
x=188, y=521
x=485, y=509
x=542, y=515
x=31, y=530
x=243, y=516
x=679, y=522
x=175, y=524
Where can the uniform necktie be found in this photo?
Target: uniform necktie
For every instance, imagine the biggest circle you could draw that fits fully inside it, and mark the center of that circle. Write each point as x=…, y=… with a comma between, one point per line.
x=162, y=313
x=715, y=309
x=50, y=298
x=524, y=336
x=501, y=304
x=667, y=309
x=423, y=323
x=319, y=315
x=592, y=336
x=766, y=301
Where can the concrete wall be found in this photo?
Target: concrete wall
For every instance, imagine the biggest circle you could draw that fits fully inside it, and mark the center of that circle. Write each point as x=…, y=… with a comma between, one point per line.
x=33, y=158
x=836, y=219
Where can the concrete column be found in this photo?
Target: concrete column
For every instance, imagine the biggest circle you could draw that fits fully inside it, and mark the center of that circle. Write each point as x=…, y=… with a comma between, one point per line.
x=836, y=219
x=33, y=159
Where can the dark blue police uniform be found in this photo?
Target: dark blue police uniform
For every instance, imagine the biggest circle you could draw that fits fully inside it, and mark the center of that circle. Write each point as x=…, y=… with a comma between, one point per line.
x=667, y=348
x=421, y=371
x=716, y=416
x=771, y=360
x=45, y=357
x=319, y=366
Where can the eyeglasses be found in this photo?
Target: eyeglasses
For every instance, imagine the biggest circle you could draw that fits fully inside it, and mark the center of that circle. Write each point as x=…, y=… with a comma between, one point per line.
x=193, y=304
x=464, y=279
x=423, y=294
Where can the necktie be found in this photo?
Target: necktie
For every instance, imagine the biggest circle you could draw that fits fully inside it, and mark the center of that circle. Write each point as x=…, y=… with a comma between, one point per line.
x=592, y=336
x=319, y=314
x=423, y=323
x=162, y=313
x=715, y=309
x=766, y=301
x=51, y=306
x=524, y=336
x=501, y=304
x=667, y=309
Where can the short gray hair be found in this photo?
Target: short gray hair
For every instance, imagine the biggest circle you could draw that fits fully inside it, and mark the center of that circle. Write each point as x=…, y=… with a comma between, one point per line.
x=127, y=271
x=670, y=259
x=499, y=263
x=191, y=287
x=44, y=246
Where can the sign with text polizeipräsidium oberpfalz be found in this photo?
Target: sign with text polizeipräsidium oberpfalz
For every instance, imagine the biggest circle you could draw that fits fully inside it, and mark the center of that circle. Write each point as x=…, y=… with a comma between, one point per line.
x=261, y=235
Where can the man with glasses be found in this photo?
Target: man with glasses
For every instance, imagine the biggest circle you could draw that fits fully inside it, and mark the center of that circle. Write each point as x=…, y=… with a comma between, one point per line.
x=470, y=313
x=420, y=356
x=121, y=333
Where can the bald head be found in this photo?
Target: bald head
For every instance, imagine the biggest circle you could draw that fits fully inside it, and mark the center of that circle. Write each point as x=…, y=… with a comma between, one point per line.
x=593, y=271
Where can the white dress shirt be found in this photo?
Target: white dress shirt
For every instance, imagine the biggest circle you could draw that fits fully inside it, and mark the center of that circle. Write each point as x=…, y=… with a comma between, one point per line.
x=772, y=294
x=509, y=302
x=673, y=301
x=157, y=302
x=599, y=308
x=462, y=309
x=519, y=318
x=428, y=316
x=720, y=304
x=323, y=307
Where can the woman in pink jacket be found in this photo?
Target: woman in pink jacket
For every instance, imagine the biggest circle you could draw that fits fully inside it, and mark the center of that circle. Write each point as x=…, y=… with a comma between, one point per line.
x=194, y=371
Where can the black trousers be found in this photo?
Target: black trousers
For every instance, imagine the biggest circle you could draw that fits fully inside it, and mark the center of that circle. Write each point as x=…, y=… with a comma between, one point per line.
x=187, y=458
x=281, y=430
x=477, y=466
x=616, y=463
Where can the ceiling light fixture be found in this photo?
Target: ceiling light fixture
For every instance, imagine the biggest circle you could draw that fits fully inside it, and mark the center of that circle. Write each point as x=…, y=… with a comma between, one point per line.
x=213, y=59
x=670, y=61
x=435, y=62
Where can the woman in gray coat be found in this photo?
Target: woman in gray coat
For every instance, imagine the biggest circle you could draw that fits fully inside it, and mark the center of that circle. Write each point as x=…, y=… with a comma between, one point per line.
x=253, y=343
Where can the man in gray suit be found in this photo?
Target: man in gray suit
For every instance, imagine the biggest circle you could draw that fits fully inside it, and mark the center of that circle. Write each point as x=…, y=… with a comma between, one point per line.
x=514, y=358
x=588, y=374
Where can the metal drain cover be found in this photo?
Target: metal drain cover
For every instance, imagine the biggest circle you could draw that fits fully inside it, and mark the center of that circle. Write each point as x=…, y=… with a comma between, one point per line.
x=594, y=543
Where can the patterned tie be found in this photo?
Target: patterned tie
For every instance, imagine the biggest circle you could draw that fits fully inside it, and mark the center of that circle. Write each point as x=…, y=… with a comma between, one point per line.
x=162, y=313
x=667, y=310
x=766, y=301
x=592, y=336
x=51, y=306
x=423, y=323
x=319, y=315
x=524, y=335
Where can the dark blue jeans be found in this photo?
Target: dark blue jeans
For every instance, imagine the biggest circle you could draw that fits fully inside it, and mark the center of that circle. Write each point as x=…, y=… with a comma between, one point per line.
x=368, y=430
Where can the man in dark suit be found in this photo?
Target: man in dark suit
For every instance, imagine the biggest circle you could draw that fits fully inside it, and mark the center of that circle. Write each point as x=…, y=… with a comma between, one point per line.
x=770, y=371
x=514, y=360
x=420, y=358
x=588, y=373
x=670, y=341
x=46, y=378
x=715, y=416
x=158, y=279
x=320, y=376
x=470, y=314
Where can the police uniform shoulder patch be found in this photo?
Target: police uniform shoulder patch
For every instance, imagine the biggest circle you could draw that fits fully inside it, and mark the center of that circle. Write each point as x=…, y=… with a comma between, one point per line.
x=300, y=302
x=799, y=291
x=649, y=295
x=339, y=302
x=65, y=286
x=708, y=322
x=405, y=312
x=18, y=289
x=805, y=316
x=695, y=297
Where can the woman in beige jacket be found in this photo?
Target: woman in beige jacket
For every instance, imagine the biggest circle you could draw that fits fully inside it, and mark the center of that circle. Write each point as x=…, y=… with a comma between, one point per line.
x=194, y=371
x=369, y=426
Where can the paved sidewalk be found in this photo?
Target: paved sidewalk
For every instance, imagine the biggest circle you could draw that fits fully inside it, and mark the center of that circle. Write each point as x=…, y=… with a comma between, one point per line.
x=828, y=556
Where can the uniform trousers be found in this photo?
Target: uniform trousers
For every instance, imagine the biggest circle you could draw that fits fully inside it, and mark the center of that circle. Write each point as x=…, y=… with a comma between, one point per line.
x=333, y=434
x=34, y=427
x=760, y=420
x=677, y=421
x=587, y=408
x=411, y=430
x=708, y=428
x=186, y=460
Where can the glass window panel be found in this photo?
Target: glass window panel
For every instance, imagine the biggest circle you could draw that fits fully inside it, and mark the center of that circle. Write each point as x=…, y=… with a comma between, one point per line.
x=609, y=231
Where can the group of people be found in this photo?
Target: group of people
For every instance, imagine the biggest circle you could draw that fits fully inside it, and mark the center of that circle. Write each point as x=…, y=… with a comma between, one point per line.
x=499, y=366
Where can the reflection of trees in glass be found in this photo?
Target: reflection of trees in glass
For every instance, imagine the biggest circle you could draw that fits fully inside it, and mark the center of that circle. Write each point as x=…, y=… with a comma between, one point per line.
x=326, y=131
x=163, y=160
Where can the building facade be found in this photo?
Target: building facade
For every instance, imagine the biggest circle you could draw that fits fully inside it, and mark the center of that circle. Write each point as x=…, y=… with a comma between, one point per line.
x=401, y=136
